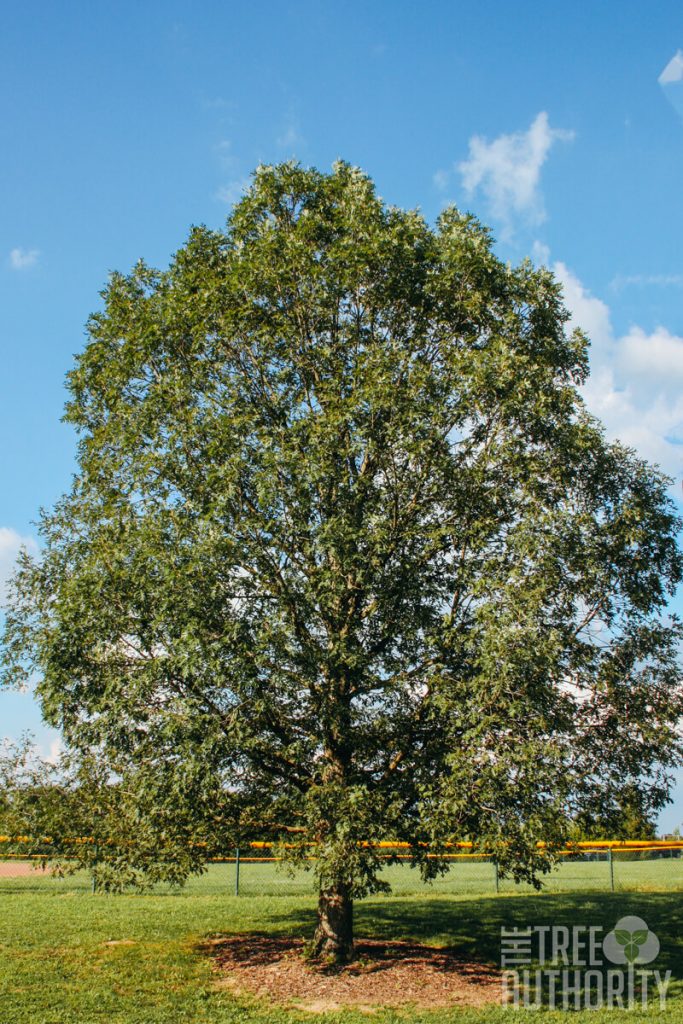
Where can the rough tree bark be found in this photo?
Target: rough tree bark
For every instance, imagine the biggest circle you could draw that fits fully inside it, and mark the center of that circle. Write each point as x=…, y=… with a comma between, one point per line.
x=333, y=938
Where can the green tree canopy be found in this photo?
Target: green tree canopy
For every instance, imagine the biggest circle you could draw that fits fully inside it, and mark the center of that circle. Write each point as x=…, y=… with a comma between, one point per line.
x=345, y=554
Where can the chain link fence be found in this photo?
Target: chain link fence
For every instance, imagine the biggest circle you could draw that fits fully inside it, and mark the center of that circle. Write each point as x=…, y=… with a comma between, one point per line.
x=255, y=872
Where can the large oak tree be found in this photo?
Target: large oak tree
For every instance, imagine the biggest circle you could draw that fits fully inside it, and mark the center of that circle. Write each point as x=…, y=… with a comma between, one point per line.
x=346, y=558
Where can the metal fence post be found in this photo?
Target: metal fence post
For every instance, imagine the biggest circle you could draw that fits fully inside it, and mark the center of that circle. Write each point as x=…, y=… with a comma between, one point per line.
x=237, y=871
x=495, y=874
x=611, y=869
x=94, y=870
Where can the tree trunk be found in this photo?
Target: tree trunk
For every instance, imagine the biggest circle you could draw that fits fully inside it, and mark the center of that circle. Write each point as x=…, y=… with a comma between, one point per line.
x=334, y=935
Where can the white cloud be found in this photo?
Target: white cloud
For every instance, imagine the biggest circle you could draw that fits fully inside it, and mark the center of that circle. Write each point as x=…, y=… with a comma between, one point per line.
x=673, y=72
x=23, y=259
x=507, y=171
x=589, y=313
x=636, y=382
x=233, y=191
x=54, y=751
x=10, y=544
x=656, y=357
x=49, y=749
x=540, y=253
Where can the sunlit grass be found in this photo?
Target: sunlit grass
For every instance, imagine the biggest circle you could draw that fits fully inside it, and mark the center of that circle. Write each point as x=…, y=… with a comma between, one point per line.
x=81, y=959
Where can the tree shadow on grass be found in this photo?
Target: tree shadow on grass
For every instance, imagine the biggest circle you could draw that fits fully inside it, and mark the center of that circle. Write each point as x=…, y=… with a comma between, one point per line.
x=476, y=924
x=472, y=927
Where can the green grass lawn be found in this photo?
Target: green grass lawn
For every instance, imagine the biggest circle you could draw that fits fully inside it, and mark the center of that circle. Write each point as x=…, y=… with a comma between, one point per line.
x=57, y=968
x=473, y=877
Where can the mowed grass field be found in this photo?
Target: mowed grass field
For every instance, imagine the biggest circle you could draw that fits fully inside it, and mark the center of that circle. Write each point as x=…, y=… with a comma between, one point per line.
x=465, y=877
x=137, y=959
x=69, y=957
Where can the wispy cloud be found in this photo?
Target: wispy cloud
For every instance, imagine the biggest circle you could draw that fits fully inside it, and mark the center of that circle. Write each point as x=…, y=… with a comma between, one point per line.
x=11, y=543
x=291, y=138
x=218, y=103
x=507, y=172
x=233, y=191
x=671, y=82
x=673, y=72
x=225, y=153
x=23, y=259
x=622, y=281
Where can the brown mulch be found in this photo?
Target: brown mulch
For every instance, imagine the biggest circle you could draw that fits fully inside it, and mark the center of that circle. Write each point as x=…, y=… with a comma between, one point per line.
x=382, y=974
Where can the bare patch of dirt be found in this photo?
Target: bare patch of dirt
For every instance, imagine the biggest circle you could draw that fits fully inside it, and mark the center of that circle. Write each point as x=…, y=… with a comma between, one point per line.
x=19, y=868
x=383, y=974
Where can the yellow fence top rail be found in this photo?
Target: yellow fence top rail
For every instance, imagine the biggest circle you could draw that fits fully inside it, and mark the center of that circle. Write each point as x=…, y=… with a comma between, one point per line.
x=584, y=845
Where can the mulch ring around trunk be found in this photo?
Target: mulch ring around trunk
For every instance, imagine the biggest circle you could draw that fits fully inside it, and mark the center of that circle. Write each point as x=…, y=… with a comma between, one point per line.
x=382, y=974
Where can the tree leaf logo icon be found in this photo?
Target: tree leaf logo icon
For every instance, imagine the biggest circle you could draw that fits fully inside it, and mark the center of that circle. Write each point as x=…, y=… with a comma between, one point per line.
x=631, y=942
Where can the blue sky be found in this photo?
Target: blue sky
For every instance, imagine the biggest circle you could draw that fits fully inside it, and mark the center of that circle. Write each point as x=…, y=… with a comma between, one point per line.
x=121, y=125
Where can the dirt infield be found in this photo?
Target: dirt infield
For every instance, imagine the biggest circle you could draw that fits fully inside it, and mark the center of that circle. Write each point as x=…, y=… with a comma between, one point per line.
x=18, y=868
x=384, y=974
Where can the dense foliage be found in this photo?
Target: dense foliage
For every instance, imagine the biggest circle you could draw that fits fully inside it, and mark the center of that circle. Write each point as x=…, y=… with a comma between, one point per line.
x=345, y=557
